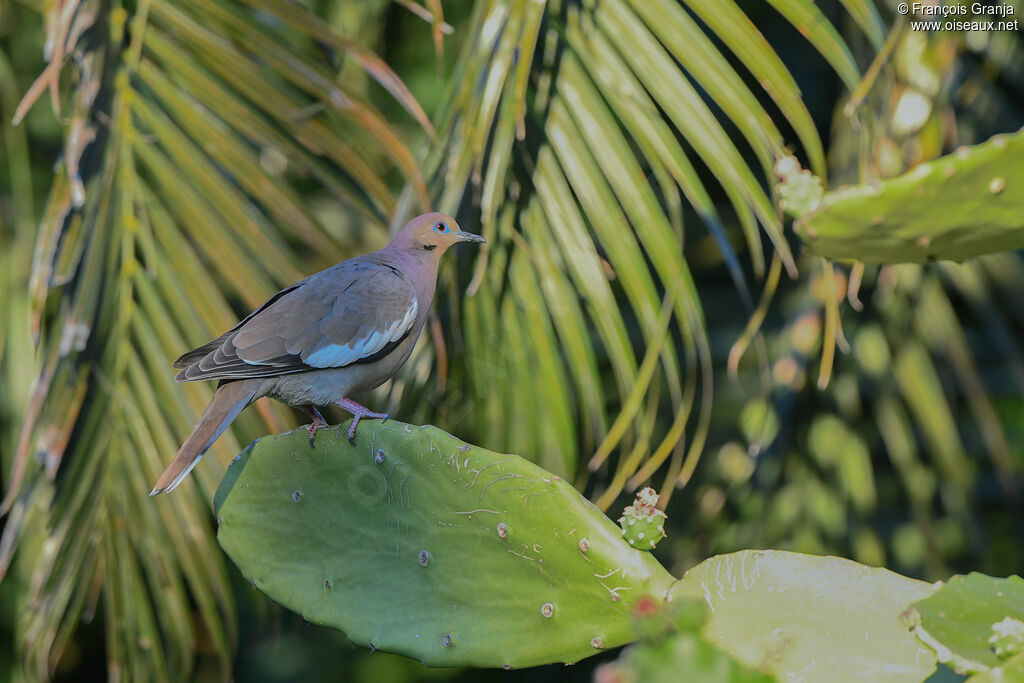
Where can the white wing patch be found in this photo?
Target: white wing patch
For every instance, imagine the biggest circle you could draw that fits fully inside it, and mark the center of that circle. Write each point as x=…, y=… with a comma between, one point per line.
x=336, y=356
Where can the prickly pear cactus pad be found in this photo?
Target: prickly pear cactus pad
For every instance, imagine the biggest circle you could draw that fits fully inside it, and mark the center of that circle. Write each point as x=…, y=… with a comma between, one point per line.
x=809, y=618
x=975, y=623
x=643, y=525
x=415, y=542
x=956, y=207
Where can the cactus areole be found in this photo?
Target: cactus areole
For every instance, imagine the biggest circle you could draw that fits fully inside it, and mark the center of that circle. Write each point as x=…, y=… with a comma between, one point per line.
x=413, y=542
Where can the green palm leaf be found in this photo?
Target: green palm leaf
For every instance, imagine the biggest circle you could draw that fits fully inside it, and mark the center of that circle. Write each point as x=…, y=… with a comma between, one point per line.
x=176, y=197
x=590, y=119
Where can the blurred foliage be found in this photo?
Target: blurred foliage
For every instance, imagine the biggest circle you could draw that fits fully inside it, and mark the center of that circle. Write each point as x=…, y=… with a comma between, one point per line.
x=661, y=657
x=911, y=457
x=210, y=152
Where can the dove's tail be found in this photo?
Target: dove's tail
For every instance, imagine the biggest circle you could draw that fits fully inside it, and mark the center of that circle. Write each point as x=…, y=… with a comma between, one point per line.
x=228, y=401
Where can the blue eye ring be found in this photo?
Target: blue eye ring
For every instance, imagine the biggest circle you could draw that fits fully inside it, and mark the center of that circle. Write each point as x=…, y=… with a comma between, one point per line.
x=440, y=226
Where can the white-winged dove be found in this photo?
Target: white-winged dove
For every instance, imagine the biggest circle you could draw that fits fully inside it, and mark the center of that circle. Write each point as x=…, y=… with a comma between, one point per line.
x=335, y=334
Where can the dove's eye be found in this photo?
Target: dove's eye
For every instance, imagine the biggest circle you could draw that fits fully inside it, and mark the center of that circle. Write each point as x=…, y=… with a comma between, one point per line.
x=440, y=226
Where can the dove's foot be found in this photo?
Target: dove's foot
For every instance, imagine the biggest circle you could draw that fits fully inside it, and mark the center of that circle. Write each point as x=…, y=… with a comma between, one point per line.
x=358, y=412
x=317, y=423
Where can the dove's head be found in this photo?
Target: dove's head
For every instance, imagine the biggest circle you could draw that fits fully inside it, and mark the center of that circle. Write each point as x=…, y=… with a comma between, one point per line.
x=432, y=233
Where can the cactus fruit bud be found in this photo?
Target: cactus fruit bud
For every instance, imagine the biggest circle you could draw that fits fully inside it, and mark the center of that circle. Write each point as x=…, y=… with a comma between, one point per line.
x=643, y=525
x=800, y=191
x=1007, y=637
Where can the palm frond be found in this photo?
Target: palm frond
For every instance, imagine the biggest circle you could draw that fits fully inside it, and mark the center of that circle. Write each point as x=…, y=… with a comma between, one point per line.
x=580, y=131
x=189, y=124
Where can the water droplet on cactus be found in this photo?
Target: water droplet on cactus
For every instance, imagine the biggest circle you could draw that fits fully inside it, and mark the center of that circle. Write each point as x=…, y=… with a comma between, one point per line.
x=447, y=640
x=424, y=558
x=547, y=609
x=296, y=495
x=378, y=457
x=327, y=584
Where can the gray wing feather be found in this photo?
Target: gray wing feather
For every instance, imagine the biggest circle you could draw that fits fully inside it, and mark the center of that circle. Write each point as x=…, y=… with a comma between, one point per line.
x=332, y=319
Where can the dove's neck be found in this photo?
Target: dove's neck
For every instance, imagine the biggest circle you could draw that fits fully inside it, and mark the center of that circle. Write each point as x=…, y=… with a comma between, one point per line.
x=419, y=266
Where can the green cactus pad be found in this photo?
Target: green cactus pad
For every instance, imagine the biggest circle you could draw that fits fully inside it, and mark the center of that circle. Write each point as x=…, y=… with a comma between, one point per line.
x=956, y=207
x=972, y=622
x=807, y=618
x=415, y=542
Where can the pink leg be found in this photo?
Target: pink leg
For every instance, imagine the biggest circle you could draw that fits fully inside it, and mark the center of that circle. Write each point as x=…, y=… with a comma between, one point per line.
x=317, y=423
x=358, y=413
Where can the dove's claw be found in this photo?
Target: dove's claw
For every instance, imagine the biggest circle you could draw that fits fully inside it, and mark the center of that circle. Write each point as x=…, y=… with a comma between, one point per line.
x=358, y=412
x=317, y=423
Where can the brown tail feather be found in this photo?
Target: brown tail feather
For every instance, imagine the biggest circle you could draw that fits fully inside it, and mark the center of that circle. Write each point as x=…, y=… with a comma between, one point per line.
x=228, y=401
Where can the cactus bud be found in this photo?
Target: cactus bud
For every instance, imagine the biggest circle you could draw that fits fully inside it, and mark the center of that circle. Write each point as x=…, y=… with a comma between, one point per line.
x=800, y=191
x=643, y=525
x=1007, y=637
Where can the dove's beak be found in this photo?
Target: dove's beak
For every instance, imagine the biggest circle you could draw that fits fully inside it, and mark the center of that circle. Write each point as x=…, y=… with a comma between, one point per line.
x=470, y=237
